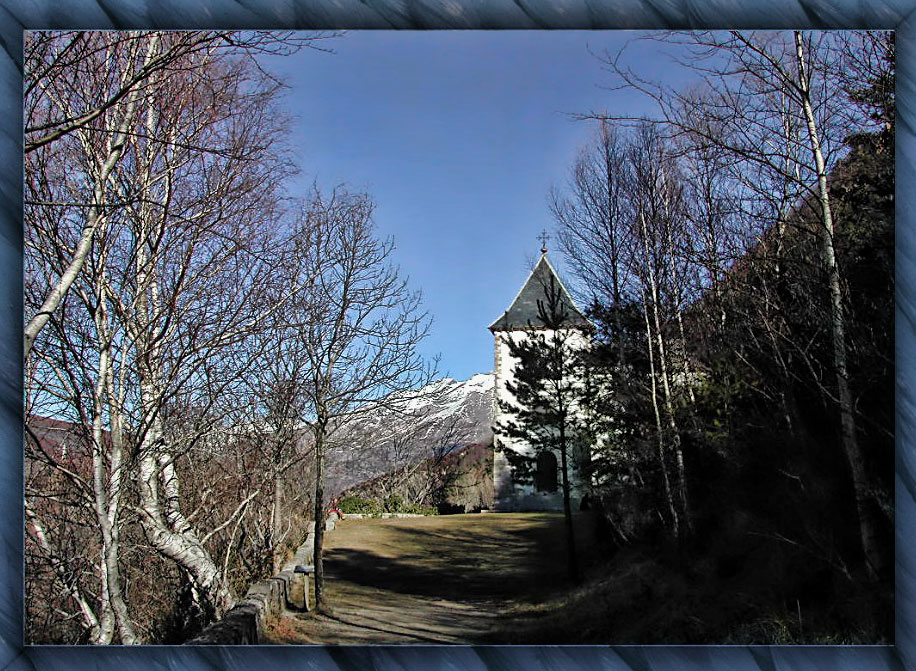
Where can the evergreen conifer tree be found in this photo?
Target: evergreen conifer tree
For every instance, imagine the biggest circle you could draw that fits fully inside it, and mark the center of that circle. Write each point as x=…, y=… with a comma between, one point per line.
x=547, y=390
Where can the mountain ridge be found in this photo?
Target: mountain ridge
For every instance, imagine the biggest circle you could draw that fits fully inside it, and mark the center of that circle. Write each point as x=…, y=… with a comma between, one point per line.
x=446, y=415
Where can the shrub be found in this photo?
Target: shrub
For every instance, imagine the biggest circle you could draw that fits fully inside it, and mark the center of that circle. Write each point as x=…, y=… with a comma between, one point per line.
x=417, y=509
x=394, y=504
x=358, y=505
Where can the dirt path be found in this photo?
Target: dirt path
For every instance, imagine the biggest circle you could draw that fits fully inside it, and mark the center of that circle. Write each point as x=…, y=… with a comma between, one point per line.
x=432, y=580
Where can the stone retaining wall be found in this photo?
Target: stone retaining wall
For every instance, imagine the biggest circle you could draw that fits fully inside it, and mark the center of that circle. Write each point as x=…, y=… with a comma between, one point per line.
x=265, y=601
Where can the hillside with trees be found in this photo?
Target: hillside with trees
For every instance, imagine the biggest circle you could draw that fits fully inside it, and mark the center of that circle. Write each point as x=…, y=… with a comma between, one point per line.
x=737, y=254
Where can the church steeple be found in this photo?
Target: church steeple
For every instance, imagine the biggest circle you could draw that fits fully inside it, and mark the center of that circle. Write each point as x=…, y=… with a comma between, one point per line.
x=523, y=312
x=542, y=306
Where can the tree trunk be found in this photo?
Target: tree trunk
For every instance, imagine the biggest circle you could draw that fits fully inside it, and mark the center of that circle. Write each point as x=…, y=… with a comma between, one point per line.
x=107, y=489
x=320, y=438
x=116, y=478
x=168, y=531
x=666, y=387
x=108, y=561
x=571, y=559
x=275, y=515
x=183, y=548
x=562, y=405
x=662, y=461
x=873, y=558
x=672, y=423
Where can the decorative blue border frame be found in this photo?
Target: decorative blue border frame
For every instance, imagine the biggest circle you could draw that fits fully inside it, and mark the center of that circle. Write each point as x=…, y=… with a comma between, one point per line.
x=18, y=15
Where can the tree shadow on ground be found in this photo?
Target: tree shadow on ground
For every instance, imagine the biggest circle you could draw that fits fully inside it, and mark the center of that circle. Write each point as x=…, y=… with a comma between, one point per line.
x=449, y=580
x=519, y=563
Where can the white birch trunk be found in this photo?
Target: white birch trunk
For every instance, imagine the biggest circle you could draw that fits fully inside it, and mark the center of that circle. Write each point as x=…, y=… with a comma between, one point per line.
x=666, y=387
x=107, y=478
x=94, y=219
x=867, y=531
x=663, y=462
x=116, y=466
x=165, y=526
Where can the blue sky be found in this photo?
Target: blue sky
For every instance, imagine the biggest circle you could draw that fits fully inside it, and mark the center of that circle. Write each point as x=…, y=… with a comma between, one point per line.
x=458, y=136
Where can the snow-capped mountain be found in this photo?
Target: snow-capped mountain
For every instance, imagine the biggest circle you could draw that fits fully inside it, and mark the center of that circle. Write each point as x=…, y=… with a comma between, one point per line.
x=444, y=416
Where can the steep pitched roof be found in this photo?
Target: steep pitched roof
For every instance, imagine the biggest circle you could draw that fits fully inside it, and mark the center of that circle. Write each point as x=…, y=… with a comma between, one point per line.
x=523, y=312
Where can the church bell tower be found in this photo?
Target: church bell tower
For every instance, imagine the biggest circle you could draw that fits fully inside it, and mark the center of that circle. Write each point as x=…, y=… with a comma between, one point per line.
x=519, y=321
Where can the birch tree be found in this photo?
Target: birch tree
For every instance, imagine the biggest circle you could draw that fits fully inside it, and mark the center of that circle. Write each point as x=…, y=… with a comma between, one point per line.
x=88, y=467
x=196, y=249
x=774, y=94
x=622, y=225
x=274, y=404
x=145, y=346
x=81, y=85
x=657, y=211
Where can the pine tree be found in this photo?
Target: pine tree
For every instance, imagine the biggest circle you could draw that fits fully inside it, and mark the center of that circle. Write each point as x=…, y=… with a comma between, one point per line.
x=547, y=388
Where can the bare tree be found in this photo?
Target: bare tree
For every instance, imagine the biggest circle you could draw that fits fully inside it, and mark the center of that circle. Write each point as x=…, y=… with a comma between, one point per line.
x=769, y=103
x=189, y=293
x=272, y=411
x=146, y=327
x=623, y=226
x=83, y=89
x=592, y=214
x=656, y=191
x=360, y=331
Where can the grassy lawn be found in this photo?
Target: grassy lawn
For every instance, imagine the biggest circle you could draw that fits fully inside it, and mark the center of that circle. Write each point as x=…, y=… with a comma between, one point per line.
x=444, y=579
x=500, y=578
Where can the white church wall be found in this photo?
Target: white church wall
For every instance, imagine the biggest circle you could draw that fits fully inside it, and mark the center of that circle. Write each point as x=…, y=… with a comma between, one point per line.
x=511, y=494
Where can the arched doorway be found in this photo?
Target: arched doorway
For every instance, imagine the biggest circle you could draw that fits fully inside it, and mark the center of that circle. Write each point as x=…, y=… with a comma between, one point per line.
x=546, y=477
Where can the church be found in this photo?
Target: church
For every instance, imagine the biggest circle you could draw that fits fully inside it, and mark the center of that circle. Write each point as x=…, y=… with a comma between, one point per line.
x=525, y=479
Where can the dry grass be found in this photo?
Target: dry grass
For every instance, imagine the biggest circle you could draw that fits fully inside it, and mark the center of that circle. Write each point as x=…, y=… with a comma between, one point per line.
x=501, y=579
x=445, y=579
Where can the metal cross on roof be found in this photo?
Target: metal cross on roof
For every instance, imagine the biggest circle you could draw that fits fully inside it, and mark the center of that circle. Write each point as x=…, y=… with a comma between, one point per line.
x=543, y=237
